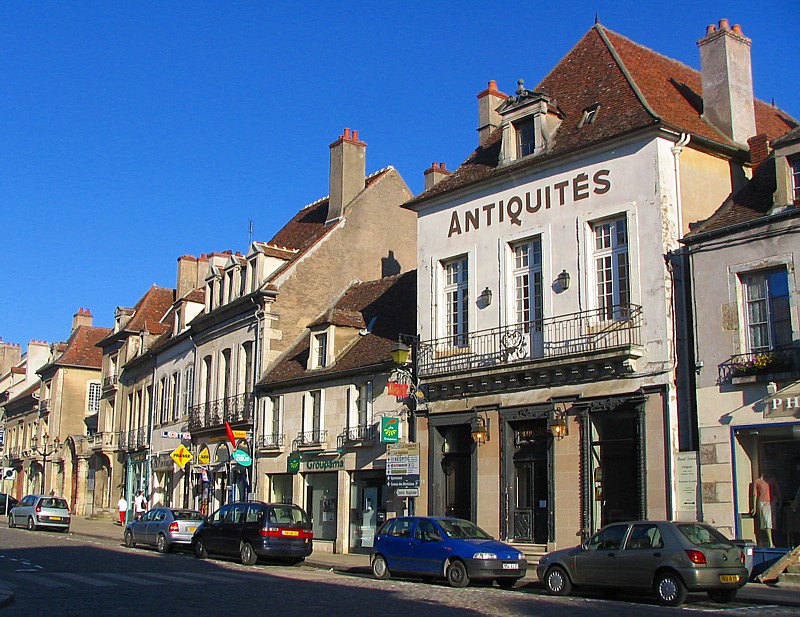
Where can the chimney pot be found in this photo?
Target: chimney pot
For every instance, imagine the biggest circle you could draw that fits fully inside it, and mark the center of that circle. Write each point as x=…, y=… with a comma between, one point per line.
x=724, y=24
x=346, y=134
x=355, y=135
x=710, y=29
x=737, y=29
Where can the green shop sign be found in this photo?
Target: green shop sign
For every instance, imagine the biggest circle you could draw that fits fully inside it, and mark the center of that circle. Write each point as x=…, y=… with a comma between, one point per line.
x=390, y=430
x=293, y=462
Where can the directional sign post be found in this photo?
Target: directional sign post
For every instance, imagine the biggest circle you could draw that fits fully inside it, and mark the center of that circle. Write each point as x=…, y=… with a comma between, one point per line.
x=181, y=455
x=402, y=465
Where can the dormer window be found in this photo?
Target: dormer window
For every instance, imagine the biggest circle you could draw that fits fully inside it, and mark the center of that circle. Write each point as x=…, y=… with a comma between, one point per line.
x=589, y=115
x=526, y=137
x=794, y=164
x=319, y=350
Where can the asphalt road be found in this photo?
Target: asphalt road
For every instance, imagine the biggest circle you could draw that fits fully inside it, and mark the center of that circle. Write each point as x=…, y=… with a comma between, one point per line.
x=68, y=575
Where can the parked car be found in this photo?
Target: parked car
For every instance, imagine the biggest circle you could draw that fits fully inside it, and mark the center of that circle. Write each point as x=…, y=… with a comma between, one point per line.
x=34, y=511
x=163, y=528
x=450, y=548
x=670, y=558
x=256, y=529
x=6, y=503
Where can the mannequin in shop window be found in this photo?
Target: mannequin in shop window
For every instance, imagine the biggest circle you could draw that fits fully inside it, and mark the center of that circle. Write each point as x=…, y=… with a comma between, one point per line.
x=766, y=497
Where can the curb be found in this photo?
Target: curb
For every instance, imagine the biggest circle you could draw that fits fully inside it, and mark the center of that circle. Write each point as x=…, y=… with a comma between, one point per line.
x=6, y=595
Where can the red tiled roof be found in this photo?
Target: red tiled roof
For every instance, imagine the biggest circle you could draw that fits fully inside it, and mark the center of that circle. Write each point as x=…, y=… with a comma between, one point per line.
x=388, y=304
x=634, y=86
x=81, y=349
x=151, y=309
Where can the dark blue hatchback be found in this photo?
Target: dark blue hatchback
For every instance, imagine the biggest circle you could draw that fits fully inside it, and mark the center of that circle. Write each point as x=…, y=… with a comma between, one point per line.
x=449, y=548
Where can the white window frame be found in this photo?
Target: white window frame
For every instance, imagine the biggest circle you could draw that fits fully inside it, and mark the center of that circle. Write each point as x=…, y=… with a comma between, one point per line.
x=611, y=259
x=94, y=394
x=760, y=281
x=313, y=407
x=319, y=349
x=455, y=300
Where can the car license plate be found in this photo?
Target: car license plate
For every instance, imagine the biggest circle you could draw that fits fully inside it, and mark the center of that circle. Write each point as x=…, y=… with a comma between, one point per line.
x=55, y=518
x=290, y=532
x=510, y=566
x=192, y=529
x=728, y=578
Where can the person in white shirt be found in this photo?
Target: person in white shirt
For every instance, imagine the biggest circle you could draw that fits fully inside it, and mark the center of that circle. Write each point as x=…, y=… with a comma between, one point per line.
x=122, y=506
x=140, y=503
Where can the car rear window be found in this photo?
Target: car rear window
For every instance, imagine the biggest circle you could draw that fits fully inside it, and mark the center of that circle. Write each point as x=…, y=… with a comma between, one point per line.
x=703, y=535
x=288, y=515
x=53, y=502
x=187, y=515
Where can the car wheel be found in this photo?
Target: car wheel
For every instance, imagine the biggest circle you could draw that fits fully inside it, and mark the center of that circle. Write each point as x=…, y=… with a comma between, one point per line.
x=11, y=521
x=670, y=589
x=380, y=568
x=200, y=549
x=247, y=554
x=722, y=596
x=162, y=546
x=506, y=583
x=557, y=581
x=31, y=524
x=457, y=574
x=129, y=541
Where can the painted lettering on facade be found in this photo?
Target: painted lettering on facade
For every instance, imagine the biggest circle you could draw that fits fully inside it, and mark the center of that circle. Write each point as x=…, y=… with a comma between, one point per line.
x=788, y=406
x=569, y=191
x=323, y=465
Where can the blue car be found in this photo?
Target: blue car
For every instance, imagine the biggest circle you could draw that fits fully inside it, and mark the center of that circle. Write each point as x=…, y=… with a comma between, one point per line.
x=439, y=547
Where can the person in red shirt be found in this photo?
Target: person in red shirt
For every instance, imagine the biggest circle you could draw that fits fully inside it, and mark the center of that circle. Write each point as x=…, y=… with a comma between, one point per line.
x=765, y=501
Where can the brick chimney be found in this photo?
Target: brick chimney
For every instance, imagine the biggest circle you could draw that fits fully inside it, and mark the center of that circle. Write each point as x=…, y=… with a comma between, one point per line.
x=82, y=318
x=348, y=172
x=759, y=149
x=726, y=71
x=434, y=174
x=488, y=118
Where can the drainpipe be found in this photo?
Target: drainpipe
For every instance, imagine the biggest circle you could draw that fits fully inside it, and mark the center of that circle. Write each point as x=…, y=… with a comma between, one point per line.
x=676, y=150
x=259, y=315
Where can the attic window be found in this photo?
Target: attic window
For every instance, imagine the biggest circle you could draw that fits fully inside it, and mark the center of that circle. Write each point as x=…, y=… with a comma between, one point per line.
x=589, y=115
x=320, y=350
x=526, y=137
x=795, y=166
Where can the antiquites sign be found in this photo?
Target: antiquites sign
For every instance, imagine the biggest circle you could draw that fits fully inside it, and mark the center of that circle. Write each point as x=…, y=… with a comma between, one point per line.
x=530, y=201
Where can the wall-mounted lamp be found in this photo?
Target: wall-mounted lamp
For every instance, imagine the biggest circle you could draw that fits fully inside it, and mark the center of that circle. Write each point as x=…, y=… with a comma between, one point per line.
x=400, y=353
x=557, y=423
x=485, y=298
x=480, y=428
x=563, y=280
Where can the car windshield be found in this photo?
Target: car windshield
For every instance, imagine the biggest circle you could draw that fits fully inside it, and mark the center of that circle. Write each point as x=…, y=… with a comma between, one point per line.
x=187, y=515
x=703, y=535
x=53, y=502
x=463, y=530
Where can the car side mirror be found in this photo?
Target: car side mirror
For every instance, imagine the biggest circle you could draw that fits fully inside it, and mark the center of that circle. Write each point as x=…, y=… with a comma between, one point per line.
x=585, y=545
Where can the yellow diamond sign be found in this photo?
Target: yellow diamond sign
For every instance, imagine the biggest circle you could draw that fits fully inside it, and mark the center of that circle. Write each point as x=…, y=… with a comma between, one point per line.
x=204, y=456
x=181, y=455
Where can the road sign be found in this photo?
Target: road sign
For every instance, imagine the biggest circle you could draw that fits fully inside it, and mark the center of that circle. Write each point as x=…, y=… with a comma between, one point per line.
x=9, y=473
x=407, y=492
x=402, y=465
x=181, y=455
x=204, y=457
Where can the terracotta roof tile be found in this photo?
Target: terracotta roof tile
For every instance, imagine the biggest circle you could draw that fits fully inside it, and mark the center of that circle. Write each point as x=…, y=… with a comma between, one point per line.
x=81, y=348
x=634, y=86
x=150, y=311
x=388, y=304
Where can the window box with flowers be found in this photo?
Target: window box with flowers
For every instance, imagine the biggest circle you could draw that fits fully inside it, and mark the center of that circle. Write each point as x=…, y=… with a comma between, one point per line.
x=748, y=367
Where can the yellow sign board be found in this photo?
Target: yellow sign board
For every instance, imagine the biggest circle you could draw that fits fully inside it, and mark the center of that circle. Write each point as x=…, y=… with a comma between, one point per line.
x=181, y=455
x=204, y=457
x=239, y=434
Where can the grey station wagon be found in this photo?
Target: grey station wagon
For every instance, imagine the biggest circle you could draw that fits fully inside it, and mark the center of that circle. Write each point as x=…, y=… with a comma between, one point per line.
x=669, y=558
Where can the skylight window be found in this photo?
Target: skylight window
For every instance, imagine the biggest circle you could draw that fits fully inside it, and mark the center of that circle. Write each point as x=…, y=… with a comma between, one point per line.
x=589, y=115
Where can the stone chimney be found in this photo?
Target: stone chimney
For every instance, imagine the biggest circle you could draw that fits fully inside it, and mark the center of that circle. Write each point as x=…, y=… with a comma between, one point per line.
x=488, y=118
x=434, y=174
x=188, y=270
x=348, y=172
x=82, y=318
x=726, y=71
x=10, y=355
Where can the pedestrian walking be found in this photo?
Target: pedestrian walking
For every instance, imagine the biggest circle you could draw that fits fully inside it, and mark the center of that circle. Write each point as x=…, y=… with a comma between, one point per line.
x=140, y=503
x=122, y=506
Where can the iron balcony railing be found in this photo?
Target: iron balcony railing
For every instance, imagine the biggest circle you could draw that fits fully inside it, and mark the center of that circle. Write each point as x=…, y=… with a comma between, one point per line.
x=760, y=363
x=271, y=441
x=585, y=332
x=133, y=439
x=356, y=434
x=110, y=381
x=310, y=438
x=215, y=413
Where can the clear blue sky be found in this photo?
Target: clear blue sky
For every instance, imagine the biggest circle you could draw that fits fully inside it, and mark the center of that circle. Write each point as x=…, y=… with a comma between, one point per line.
x=135, y=132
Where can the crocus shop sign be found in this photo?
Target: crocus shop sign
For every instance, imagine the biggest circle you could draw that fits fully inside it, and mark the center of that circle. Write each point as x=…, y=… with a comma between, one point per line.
x=518, y=207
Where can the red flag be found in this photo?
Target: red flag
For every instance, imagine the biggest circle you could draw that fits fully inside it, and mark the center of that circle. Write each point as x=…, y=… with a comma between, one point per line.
x=231, y=438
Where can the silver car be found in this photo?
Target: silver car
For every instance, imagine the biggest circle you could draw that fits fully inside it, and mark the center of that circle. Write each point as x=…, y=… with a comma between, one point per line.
x=669, y=558
x=163, y=528
x=35, y=511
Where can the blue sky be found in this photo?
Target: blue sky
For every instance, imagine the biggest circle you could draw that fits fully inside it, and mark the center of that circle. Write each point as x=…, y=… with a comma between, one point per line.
x=135, y=132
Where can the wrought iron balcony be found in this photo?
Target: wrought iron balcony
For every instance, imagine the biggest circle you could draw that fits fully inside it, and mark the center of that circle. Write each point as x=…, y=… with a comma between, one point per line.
x=307, y=439
x=583, y=346
x=214, y=414
x=110, y=381
x=356, y=434
x=759, y=366
x=273, y=441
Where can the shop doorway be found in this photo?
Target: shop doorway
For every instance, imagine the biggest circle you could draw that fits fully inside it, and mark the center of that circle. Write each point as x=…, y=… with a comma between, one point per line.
x=616, y=488
x=531, y=482
x=457, y=470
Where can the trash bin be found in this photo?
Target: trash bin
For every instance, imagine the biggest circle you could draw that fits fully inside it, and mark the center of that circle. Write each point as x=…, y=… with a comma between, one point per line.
x=764, y=557
x=747, y=547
